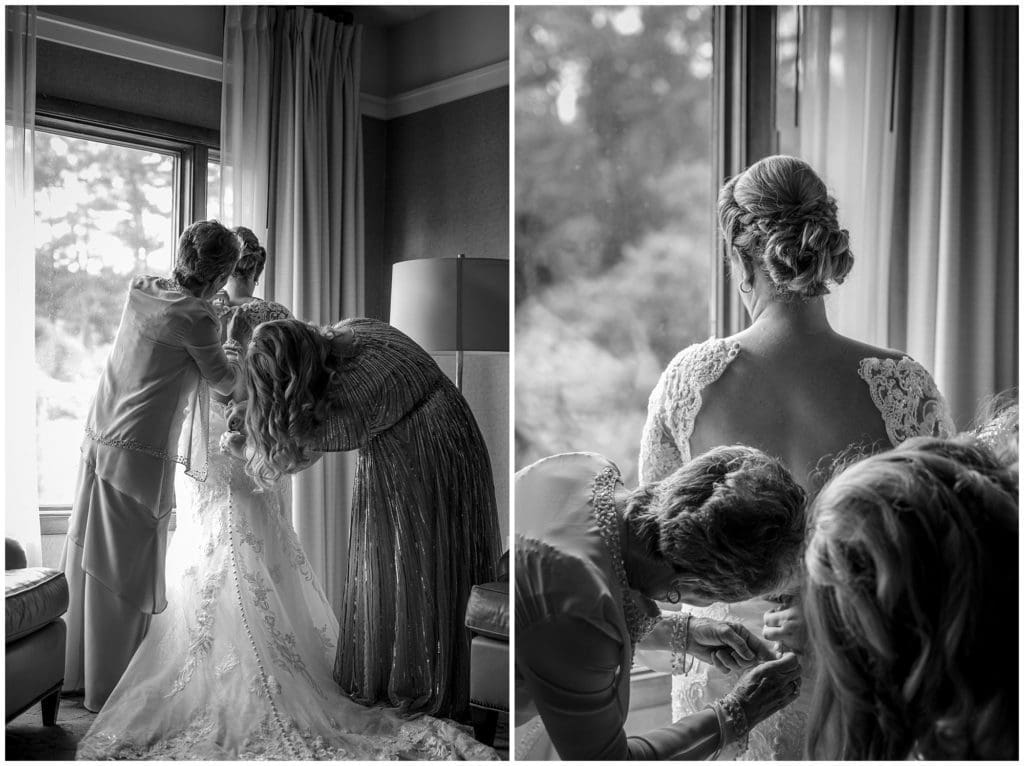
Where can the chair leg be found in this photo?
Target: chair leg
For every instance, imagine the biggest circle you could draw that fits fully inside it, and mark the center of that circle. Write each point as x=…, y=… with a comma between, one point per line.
x=485, y=725
x=50, y=704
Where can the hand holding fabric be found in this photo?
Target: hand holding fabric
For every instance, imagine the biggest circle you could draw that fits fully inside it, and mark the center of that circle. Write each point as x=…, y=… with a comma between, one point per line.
x=785, y=625
x=726, y=645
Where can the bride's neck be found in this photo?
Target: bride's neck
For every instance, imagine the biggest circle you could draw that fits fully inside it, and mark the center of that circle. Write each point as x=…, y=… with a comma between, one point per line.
x=797, y=317
x=239, y=290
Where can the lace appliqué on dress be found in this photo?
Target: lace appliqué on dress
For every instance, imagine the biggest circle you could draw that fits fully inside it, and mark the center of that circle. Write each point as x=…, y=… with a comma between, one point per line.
x=675, y=402
x=907, y=397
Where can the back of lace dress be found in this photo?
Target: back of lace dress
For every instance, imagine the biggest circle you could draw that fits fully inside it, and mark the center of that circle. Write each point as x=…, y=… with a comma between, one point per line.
x=910, y=405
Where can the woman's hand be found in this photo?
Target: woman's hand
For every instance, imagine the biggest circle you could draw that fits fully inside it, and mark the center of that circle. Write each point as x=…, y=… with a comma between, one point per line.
x=233, y=443
x=785, y=624
x=726, y=645
x=768, y=687
x=236, y=416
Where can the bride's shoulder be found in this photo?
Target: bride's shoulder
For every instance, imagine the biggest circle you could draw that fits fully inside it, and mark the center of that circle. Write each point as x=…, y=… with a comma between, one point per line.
x=264, y=311
x=702, y=362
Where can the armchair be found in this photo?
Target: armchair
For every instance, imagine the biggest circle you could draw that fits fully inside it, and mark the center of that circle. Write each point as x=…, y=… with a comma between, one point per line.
x=34, y=600
x=487, y=620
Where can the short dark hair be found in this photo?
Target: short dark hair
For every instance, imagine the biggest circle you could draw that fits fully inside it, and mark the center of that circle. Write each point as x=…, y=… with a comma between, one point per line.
x=254, y=255
x=207, y=250
x=730, y=523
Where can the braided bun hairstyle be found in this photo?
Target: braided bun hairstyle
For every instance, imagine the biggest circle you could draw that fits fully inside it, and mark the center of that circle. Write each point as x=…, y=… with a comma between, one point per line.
x=911, y=606
x=778, y=217
x=254, y=255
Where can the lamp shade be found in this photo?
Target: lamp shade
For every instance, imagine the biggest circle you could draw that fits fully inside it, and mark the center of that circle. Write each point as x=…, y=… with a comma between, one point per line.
x=452, y=304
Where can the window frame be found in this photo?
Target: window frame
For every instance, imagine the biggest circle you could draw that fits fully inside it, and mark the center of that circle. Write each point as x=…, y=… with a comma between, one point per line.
x=195, y=149
x=743, y=127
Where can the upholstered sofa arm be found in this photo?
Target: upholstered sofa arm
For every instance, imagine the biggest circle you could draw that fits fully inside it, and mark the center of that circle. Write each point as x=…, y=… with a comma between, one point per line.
x=14, y=554
x=487, y=611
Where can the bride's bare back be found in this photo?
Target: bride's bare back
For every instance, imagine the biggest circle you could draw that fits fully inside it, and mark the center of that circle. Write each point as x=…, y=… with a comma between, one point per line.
x=800, y=398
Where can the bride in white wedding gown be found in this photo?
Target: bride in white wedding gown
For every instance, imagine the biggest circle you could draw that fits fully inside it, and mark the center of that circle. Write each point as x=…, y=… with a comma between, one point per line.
x=240, y=664
x=789, y=385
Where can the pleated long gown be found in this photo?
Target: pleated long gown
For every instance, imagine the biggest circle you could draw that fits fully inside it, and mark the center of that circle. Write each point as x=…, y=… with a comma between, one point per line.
x=424, y=526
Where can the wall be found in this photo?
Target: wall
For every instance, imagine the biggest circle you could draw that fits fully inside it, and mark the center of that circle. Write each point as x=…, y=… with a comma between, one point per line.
x=436, y=181
x=446, y=183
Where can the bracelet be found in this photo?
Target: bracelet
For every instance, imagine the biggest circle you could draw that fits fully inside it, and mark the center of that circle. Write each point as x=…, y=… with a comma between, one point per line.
x=679, y=666
x=735, y=721
x=714, y=706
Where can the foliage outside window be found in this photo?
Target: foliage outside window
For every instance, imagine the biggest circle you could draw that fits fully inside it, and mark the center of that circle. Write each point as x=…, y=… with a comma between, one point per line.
x=613, y=225
x=105, y=212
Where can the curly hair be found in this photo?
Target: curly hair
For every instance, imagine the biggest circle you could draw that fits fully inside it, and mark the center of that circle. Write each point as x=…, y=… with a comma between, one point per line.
x=910, y=601
x=254, y=255
x=730, y=523
x=778, y=217
x=291, y=368
x=998, y=427
x=207, y=252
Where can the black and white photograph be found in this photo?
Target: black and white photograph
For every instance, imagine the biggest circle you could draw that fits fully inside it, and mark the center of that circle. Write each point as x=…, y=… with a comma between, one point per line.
x=766, y=358
x=257, y=382
x=511, y=382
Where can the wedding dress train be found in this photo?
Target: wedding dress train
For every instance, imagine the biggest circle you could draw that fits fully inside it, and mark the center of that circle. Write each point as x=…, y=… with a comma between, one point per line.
x=239, y=666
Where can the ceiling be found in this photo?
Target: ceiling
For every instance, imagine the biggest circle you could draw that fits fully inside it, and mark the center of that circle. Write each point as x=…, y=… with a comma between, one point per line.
x=386, y=15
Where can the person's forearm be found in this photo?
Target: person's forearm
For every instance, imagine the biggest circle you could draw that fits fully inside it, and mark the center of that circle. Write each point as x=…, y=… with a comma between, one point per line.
x=660, y=639
x=692, y=738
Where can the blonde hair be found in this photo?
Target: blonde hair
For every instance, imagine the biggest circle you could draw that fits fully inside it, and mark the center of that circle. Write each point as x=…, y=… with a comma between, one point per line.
x=778, y=217
x=291, y=374
x=910, y=602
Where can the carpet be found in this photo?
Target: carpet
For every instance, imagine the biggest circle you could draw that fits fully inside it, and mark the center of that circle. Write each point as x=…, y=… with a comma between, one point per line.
x=29, y=740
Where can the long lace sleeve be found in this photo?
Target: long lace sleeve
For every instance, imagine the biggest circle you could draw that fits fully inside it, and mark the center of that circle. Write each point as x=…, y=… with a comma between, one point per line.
x=907, y=398
x=386, y=378
x=674, y=403
x=659, y=455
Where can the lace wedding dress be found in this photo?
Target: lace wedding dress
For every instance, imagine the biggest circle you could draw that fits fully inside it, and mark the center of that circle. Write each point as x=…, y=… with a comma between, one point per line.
x=240, y=664
x=910, y=405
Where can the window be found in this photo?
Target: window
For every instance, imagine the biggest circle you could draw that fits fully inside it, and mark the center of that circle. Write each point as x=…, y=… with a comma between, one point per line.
x=614, y=201
x=107, y=208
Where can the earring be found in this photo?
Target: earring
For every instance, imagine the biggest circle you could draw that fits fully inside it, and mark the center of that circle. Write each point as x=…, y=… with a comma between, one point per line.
x=745, y=284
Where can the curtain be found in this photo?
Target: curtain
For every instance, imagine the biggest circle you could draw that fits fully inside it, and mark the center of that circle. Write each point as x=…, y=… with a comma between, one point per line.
x=292, y=171
x=21, y=493
x=910, y=115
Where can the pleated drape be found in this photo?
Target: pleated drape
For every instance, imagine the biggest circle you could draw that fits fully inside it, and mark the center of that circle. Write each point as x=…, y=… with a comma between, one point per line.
x=21, y=492
x=910, y=115
x=292, y=170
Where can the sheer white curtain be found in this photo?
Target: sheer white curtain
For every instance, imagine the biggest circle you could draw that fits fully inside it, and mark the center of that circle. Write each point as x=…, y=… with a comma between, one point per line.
x=847, y=55
x=292, y=171
x=910, y=115
x=21, y=496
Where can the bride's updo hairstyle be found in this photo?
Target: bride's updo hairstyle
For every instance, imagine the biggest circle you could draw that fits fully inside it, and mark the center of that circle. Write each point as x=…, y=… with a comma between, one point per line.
x=291, y=370
x=730, y=523
x=778, y=218
x=911, y=606
x=254, y=255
